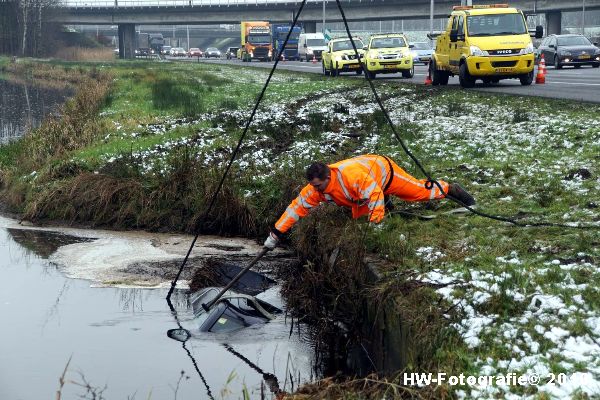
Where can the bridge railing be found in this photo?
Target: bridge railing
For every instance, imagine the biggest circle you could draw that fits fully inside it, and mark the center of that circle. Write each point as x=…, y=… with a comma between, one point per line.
x=178, y=3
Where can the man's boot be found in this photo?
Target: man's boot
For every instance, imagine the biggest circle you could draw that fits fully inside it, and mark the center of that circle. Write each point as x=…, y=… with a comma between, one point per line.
x=457, y=192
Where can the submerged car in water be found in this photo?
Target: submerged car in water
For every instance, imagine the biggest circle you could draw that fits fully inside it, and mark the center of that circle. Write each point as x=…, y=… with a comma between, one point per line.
x=232, y=311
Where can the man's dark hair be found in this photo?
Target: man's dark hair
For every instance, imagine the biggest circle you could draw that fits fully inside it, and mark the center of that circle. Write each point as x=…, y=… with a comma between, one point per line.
x=317, y=170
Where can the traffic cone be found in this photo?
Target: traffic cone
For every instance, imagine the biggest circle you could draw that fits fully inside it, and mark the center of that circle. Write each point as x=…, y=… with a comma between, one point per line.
x=543, y=66
x=314, y=59
x=428, y=80
x=540, y=78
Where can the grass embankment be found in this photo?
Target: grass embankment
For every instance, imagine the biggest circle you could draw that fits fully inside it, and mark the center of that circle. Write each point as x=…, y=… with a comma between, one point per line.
x=166, y=132
x=480, y=296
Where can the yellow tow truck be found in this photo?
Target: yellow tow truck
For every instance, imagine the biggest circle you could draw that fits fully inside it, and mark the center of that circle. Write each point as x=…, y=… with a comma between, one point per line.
x=340, y=57
x=389, y=53
x=487, y=42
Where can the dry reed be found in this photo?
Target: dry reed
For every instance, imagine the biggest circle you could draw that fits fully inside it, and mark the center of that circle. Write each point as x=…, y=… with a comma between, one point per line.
x=84, y=54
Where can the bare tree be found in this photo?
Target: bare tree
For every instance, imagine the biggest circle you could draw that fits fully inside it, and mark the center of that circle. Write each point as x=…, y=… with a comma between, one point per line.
x=32, y=17
x=24, y=12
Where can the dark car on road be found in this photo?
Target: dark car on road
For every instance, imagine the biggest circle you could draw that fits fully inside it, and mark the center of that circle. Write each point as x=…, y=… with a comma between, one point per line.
x=212, y=52
x=575, y=50
x=165, y=50
x=231, y=52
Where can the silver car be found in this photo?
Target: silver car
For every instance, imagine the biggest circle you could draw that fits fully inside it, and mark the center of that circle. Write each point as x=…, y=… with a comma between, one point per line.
x=422, y=52
x=212, y=52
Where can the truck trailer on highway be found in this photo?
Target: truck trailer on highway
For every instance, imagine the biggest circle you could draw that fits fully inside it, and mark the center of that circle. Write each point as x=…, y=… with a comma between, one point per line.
x=143, y=44
x=256, y=41
x=280, y=32
x=156, y=42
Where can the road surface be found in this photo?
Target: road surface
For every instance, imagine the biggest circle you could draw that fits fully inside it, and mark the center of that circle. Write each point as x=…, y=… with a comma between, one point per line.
x=568, y=83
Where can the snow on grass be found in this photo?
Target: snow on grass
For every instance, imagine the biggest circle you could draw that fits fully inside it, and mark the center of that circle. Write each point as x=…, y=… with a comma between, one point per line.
x=551, y=329
x=528, y=302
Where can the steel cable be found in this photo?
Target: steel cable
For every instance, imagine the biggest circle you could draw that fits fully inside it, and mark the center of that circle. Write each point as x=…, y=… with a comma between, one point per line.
x=235, y=151
x=430, y=181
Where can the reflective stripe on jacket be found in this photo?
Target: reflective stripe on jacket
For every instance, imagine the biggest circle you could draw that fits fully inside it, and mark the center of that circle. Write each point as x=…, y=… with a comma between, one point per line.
x=356, y=183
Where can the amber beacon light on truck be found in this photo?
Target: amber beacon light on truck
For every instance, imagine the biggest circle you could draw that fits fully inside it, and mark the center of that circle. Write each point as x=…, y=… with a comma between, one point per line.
x=457, y=8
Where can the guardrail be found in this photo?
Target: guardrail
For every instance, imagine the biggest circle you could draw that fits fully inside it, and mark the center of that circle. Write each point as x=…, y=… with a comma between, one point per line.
x=183, y=3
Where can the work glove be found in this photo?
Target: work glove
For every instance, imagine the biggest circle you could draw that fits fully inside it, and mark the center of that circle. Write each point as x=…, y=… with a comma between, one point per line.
x=271, y=241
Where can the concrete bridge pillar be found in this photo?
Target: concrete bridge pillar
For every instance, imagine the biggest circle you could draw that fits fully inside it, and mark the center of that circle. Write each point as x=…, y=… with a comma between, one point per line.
x=127, y=43
x=310, y=27
x=553, y=19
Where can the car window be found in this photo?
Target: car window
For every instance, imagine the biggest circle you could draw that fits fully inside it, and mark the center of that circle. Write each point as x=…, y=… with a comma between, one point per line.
x=315, y=42
x=573, y=41
x=422, y=46
x=496, y=24
x=454, y=22
x=552, y=41
x=460, y=27
x=346, y=45
x=387, y=42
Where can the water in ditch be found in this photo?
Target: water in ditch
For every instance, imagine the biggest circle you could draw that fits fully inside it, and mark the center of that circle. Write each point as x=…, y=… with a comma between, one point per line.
x=115, y=337
x=23, y=105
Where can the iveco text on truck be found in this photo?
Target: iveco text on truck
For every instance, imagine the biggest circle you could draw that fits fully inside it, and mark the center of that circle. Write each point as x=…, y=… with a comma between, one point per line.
x=256, y=41
x=487, y=42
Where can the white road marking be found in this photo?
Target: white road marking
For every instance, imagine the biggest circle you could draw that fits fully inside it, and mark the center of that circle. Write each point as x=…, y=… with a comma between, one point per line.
x=317, y=67
x=573, y=83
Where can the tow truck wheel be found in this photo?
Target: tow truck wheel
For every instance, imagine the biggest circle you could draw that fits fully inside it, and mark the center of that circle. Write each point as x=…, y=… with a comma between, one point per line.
x=577, y=66
x=325, y=72
x=437, y=77
x=596, y=65
x=358, y=71
x=464, y=77
x=409, y=73
x=526, y=79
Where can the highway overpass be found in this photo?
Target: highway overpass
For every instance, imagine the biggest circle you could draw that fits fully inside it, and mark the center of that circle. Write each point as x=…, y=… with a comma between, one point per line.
x=128, y=13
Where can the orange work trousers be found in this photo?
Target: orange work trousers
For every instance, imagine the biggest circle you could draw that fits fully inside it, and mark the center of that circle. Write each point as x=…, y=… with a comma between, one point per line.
x=408, y=188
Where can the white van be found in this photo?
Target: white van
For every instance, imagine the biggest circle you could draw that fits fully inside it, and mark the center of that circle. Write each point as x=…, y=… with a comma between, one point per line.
x=311, y=45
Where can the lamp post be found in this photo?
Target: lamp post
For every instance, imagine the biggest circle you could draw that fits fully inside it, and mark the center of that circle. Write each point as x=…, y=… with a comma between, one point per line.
x=583, y=18
x=323, y=28
x=431, y=17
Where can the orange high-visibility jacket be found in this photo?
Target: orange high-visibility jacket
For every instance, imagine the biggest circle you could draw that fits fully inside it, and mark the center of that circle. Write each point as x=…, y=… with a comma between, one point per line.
x=356, y=183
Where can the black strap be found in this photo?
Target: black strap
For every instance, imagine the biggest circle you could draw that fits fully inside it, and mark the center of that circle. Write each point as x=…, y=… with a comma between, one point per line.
x=391, y=178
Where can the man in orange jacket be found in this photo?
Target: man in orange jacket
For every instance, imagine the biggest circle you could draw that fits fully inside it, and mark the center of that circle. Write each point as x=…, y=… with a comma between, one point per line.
x=361, y=183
